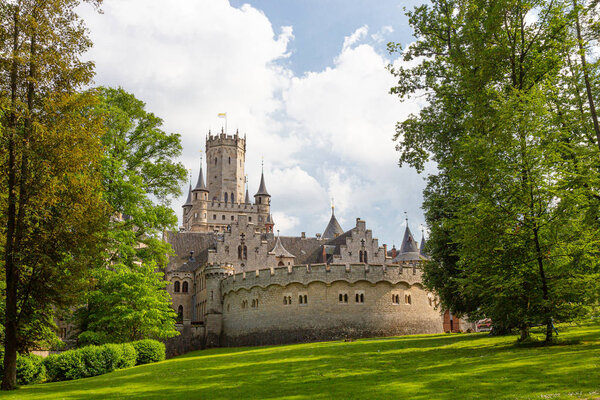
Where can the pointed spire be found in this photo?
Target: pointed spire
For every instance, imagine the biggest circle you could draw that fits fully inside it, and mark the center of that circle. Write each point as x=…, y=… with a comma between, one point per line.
x=188, y=202
x=247, y=199
x=262, y=188
x=422, y=245
x=200, y=185
x=408, y=243
x=333, y=229
x=279, y=250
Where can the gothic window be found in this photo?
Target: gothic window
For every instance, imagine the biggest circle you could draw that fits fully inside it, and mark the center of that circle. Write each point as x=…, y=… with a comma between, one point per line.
x=280, y=264
x=176, y=287
x=285, y=300
x=359, y=297
x=365, y=257
x=343, y=297
x=407, y=299
x=245, y=253
x=260, y=200
x=215, y=160
x=232, y=198
x=346, y=298
x=229, y=160
x=225, y=197
x=184, y=287
x=180, y=314
x=305, y=299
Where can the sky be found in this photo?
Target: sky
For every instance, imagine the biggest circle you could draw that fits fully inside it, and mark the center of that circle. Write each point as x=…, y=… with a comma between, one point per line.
x=305, y=80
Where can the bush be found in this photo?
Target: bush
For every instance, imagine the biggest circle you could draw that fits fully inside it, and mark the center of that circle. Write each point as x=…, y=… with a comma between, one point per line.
x=87, y=338
x=128, y=356
x=65, y=366
x=30, y=369
x=149, y=351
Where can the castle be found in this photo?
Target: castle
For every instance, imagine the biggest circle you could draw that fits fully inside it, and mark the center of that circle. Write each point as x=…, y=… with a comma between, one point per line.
x=236, y=283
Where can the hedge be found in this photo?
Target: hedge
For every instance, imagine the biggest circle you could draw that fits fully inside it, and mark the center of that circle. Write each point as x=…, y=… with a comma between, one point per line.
x=30, y=368
x=149, y=351
x=97, y=360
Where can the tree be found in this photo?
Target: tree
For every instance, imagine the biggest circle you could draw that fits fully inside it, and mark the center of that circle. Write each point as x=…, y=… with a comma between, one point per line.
x=129, y=300
x=514, y=234
x=52, y=209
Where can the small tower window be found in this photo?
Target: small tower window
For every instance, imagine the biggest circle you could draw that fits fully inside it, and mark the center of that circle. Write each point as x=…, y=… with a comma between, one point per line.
x=232, y=198
x=232, y=218
x=229, y=160
x=184, y=287
x=215, y=160
x=225, y=197
x=180, y=314
x=176, y=287
x=260, y=200
x=214, y=216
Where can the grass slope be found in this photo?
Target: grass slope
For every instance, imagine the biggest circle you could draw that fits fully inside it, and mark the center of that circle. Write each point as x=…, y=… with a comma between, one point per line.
x=415, y=367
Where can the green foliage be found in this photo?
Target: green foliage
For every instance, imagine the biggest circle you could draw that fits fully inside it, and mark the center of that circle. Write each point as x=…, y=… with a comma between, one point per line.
x=93, y=360
x=30, y=369
x=420, y=367
x=92, y=338
x=149, y=351
x=513, y=206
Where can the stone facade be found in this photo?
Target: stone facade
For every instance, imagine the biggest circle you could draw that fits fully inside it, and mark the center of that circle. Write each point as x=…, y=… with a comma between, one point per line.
x=238, y=284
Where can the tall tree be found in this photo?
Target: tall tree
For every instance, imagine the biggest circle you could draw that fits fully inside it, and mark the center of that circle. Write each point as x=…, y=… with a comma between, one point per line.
x=513, y=228
x=50, y=150
x=139, y=175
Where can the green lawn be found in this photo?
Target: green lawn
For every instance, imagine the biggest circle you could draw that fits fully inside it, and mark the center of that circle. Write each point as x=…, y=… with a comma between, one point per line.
x=457, y=366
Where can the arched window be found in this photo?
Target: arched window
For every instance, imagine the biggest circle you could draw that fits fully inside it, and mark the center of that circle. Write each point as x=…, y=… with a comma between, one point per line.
x=346, y=298
x=300, y=299
x=176, y=287
x=225, y=197
x=280, y=264
x=365, y=257
x=180, y=314
x=260, y=200
x=214, y=216
x=229, y=160
x=184, y=287
x=245, y=253
x=305, y=299
x=232, y=218
x=362, y=297
x=341, y=298
x=232, y=198
x=285, y=300
x=223, y=217
x=361, y=256
x=215, y=160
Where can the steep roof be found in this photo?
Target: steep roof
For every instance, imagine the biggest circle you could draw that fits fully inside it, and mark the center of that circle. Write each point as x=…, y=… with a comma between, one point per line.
x=408, y=243
x=247, y=200
x=333, y=228
x=262, y=189
x=422, y=246
x=200, y=185
x=188, y=202
x=185, y=242
x=306, y=250
x=270, y=219
x=280, y=251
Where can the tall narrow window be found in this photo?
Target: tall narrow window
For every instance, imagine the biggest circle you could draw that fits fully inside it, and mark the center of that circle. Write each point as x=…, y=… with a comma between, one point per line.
x=215, y=160
x=180, y=314
x=245, y=253
x=229, y=160
x=346, y=298
x=184, y=287
x=232, y=198
x=225, y=197
x=176, y=287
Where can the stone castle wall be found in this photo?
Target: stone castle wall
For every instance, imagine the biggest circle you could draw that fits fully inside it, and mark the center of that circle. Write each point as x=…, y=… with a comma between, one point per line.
x=374, y=302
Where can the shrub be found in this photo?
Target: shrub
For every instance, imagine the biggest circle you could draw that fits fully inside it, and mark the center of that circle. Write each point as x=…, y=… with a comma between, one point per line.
x=65, y=366
x=87, y=338
x=128, y=356
x=149, y=351
x=30, y=369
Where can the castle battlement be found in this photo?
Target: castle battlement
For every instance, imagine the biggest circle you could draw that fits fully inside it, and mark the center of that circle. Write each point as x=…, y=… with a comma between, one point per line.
x=223, y=139
x=305, y=274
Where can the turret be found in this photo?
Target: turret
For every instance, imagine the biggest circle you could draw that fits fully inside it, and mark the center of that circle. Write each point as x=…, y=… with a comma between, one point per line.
x=187, y=207
x=333, y=228
x=262, y=199
x=200, y=204
x=214, y=303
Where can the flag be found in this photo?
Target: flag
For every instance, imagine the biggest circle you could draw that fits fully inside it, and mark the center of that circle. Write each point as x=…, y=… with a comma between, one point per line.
x=222, y=115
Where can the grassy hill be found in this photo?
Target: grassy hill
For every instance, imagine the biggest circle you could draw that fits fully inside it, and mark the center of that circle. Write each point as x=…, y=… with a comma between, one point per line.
x=457, y=366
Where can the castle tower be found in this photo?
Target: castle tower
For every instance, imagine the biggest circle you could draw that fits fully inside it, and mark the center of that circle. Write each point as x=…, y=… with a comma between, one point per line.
x=225, y=167
x=199, y=204
x=262, y=200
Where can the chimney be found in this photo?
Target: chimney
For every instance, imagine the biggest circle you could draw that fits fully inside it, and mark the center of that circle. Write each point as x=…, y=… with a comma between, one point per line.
x=318, y=236
x=303, y=235
x=394, y=251
x=324, y=255
x=385, y=251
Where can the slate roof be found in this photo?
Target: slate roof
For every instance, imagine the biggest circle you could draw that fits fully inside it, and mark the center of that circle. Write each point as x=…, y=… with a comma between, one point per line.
x=422, y=246
x=306, y=251
x=185, y=242
x=408, y=243
x=188, y=202
x=279, y=250
x=200, y=185
x=262, y=189
x=333, y=228
x=247, y=200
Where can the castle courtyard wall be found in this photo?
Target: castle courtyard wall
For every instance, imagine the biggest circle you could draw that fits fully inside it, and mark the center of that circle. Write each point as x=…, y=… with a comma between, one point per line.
x=255, y=312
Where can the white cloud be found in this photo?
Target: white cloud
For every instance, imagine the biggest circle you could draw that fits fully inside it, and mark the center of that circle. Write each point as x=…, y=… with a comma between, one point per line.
x=323, y=134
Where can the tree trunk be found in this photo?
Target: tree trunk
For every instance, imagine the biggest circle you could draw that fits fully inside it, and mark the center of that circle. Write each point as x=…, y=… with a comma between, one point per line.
x=9, y=380
x=586, y=78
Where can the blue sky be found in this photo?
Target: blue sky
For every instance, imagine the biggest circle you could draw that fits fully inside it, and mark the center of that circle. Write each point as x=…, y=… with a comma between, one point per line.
x=305, y=80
